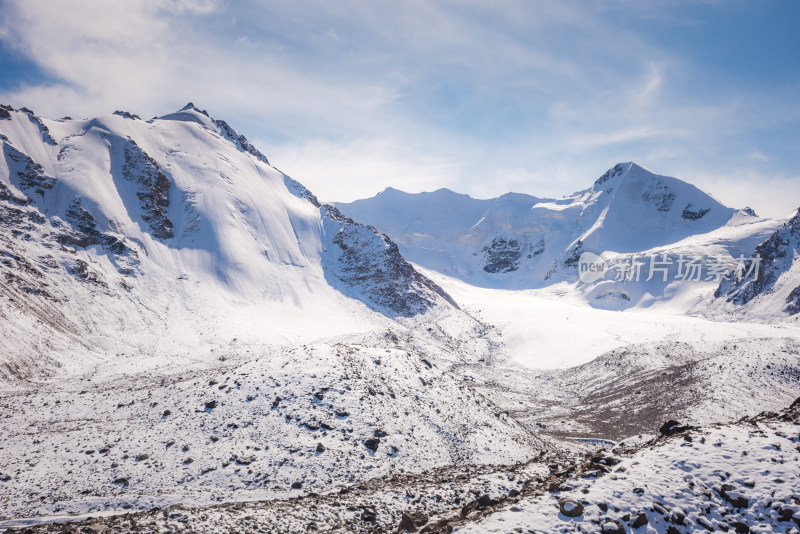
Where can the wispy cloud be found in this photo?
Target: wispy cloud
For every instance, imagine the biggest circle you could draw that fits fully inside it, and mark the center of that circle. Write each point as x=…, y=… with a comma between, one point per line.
x=352, y=96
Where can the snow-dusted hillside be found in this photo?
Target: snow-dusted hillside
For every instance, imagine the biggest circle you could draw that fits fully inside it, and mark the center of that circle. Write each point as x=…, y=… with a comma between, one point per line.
x=729, y=478
x=183, y=323
x=260, y=424
x=120, y=234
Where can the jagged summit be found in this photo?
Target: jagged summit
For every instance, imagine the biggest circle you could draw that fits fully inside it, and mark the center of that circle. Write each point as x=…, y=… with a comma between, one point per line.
x=191, y=107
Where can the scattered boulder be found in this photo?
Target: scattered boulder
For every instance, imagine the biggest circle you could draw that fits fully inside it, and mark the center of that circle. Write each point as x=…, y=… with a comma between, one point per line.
x=484, y=501
x=410, y=522
x=672, y=427
x=640, y=521
x=320, y=448
x=369, y=515
x=372, y=444
x=210, y=405
x=570, y=507
x=785, y=514
x=297, y=485
x=732, y=497
x=406, y=524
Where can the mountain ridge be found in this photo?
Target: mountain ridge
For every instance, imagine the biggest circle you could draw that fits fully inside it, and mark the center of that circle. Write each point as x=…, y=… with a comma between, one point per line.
x=142, y=218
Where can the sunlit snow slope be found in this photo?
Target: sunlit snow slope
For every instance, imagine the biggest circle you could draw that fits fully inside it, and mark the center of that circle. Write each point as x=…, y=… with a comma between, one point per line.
x=119, y=234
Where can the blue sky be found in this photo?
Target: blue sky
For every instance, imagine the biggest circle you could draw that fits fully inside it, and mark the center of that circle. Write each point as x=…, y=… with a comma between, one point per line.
x=352, y=96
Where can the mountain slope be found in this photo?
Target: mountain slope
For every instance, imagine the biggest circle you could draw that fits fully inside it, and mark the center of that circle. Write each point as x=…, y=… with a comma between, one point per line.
x=772, y=288
x=183, y=323
x=116, y=230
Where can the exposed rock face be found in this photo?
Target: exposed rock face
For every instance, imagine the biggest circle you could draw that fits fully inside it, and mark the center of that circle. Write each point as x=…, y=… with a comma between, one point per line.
x=127, y=115
x=793, y=302
x=575, y=255
x=29, y=175
x=153, y=188
x=240, y=141
x=617, y=170
x=300, y=190
x=502, y=255
x=659, y=196
x=369, y=266
x=690, y=215
x=83, y=232
x=777, y=255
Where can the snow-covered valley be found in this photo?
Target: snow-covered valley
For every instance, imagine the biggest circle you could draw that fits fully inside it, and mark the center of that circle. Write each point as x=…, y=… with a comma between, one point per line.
x=191, y=342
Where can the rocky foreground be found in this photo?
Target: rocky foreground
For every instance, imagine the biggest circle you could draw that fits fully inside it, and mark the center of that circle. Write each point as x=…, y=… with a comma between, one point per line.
x=738, y=477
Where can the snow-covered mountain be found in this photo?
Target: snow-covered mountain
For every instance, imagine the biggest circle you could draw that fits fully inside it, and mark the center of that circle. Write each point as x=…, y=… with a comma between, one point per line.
x=163, y=289
x=115, y=227
x=772, y=289
x=520, y=242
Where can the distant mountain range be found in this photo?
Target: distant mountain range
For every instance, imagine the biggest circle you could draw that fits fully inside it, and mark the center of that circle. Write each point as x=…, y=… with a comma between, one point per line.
x=629, y=214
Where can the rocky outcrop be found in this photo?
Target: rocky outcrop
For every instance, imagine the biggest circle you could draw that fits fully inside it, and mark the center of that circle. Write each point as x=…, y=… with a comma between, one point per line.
x=127, y=115
x=153, y=188
x=240, y=141
x=300, y=190
x=777, y=255
x=28, y=175
x=502, y=255
x=659, y=196
x=691, y=215
x=367, y=265
x=617, y=170
x=83, y=232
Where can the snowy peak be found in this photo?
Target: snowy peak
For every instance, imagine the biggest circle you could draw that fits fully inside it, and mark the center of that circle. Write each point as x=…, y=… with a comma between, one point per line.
x=631, y=208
